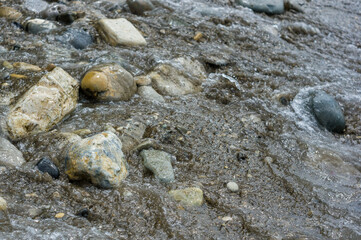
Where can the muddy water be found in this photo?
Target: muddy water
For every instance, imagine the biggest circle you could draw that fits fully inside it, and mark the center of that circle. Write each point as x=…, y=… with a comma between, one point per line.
x=249, y=125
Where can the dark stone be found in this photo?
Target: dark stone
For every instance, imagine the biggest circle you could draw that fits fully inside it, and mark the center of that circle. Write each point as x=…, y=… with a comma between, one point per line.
x=138, y=7
x=53, y=11
x=283, y=101
x=47, y=166
x=18, y=25
x=65, y=18
x=328, y=112
x=83, y=213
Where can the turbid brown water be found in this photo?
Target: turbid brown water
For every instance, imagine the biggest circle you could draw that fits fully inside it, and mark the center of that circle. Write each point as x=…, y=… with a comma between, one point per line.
x=250, y=125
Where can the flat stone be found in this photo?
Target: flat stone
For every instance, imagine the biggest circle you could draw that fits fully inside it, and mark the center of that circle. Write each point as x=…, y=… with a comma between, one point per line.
x=108, y=82
x=99, y=159
x=266, y=6
x=148, y=93
x=43, y=105
x=4, y=216
x=120, y=32
x=39, y=25
x=9, y=13
x=26, y=67
x=10, y=156
x=328, y=112
x=189, y=196
x=178, y=77
x=159, y=163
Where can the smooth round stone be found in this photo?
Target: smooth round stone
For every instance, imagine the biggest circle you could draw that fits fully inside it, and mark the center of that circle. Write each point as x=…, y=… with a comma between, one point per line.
x=78, y=38
x=53, y=11
x=47, y=166
x=232, y=186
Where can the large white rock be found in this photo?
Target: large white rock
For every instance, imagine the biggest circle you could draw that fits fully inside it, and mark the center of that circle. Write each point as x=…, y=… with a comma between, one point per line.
x=10, y=156
x=43, y=105
x=120, y=32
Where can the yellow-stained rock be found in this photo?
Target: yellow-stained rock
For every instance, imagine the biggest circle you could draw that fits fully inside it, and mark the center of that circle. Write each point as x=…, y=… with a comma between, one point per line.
x=26, y=67
x=43, y=105
x=9, y=13
x=188, y=196
x=18, y=76
x=108, y=82
x=59, y=215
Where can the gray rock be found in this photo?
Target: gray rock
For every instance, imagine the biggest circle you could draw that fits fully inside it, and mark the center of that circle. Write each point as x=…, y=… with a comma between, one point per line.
x=178, y=77
x=266, y=6
x=108, y=82
x=39, y=25
x=132, y=134
x=328, y=112
x=99, y=159
x=191, y=197
x=159, y=163
x=78, y=38
x=10, y=156
x=4, y=216
x=43, y=105
x=148, y=93
x=35, y=5
x=232, y=186
x=53, y=11
x=138, y=7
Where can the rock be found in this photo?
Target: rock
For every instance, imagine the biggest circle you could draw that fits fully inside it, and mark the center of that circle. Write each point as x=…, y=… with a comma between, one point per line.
x=120, y=32
x=43, y=105
x=303, y=28
x=9, y=13
x=47, y=166
x=132, y=134
x=35, y=212
x=53, y=11
x=4, y=216
x=7, y=65
x=26, y=67
x=328, y=112
x=266, y=6
x=138, y=7
x=108, y=82
x=143, y=80
x=159, y=163
x=3, y=205
x=83, y=213
x=5, y=76
x=232, y=186
x=39, y=25
x=78, y=38
x=189, y=196
x=148, y=93
x=291, y=4
x=35, y=5
x=180, y=76
x=59, y=215
x=99, y=159
x=10, y=156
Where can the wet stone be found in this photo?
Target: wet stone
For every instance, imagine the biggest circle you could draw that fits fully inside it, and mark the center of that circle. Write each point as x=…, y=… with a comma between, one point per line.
x=328, y=112
x=120, y=32
x=266, y=6
x=78, y=38
x=232, y=186
x=108, y=82
x=148, y=93
x=26, y=67
x=39, y=25
x=138, y=7
x=159, y=163
x=53, y=11
x=10, y=156
x=4, y=216
x=83, y=213
x=99, y=159
x=47, y=166
x=35, y=5
x=191, y=197
x=9, y=13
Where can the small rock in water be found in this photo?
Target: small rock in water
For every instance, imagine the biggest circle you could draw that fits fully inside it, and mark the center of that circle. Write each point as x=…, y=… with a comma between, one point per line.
x=303, y=28
x=180, y=76
x=59, y=215
x=138, y=7
x=232, y=186
x=5, y=76
x=99, y=159
x=78, y=38
x=328, y=112
x=120, y=32
x=43, y=105
x=3, y=205
x=266, y=6
x=9, y=13
x=188, y=196
x=39, y=25
x=159, y=163
x=108, y=82
x=53, y=11
x=47, y=166
x=10, y=156
x=83, y=213
x=35, y=5
x=148, y=93
x=4, y=216
x=143, y=80
x=26, y=67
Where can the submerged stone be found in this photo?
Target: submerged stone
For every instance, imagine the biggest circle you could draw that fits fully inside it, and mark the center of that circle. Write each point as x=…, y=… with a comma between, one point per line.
x=189, y=196
x=10, y=156
x=47, y=166
x=148, y=93
x=159, y=163
x=266, y=6
x=99, y=159
x=109, y=82
x=328, y=112
x=43, y=105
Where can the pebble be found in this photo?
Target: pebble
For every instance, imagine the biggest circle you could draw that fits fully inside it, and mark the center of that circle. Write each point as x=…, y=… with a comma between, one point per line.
x=191, y=197
x=159, y=163
x=143, y=80
x=59, y=215
x=232, y=186
x=78, y=38
x=83, y=213
x=18, y=76
x=5, y=76
x=7, y=65
x=39, y=25
x=328, y=112
x=10, y=156
x=3, y=204
x=148, y=93
x=139, y=7
x=47, y=166
x=120, y=32
x=53, y=11
x=43, y=105
x=99, y=159
x=9, y=13
x=108, y=82
x=26, y=67
x=266, y=6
